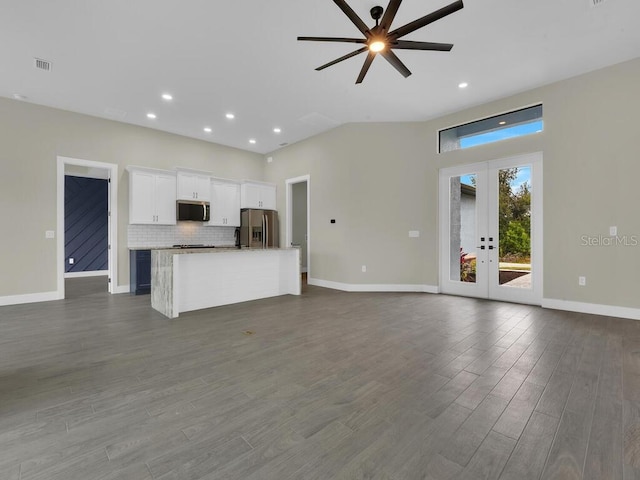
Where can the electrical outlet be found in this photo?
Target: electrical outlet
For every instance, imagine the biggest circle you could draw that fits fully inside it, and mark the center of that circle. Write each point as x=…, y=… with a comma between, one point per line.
x=71, y=261
x=364, y=268
x=582, y=281
x=414, y=233
x=49, y=234
x=613, y=231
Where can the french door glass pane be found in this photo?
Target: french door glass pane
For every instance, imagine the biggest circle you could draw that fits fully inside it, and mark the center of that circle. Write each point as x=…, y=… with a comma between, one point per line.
x=514, y=227
x=463, y=231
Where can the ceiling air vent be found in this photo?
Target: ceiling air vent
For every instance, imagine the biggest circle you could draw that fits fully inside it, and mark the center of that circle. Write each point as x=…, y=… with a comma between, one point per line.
x=596, y=3
x=42, y=64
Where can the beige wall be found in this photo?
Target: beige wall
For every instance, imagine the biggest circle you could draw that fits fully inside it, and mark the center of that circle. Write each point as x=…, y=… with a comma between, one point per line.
x=381, y=180
x=31, y=138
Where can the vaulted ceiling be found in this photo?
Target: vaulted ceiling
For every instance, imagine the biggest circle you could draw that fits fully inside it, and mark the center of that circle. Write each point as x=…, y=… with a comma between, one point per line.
x=114, y=59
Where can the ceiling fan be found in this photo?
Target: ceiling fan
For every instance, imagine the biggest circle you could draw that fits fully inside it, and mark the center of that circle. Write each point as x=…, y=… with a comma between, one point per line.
x=380, y=40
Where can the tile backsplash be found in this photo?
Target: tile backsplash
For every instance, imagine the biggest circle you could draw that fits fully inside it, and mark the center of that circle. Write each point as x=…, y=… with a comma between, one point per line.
x=190, y=233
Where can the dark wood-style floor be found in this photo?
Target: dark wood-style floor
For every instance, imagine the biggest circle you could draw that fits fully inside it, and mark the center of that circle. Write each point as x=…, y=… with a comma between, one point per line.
x=329, y=385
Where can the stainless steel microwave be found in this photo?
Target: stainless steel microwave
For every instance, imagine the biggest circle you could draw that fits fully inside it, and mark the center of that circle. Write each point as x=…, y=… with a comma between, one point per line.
x=193, y=211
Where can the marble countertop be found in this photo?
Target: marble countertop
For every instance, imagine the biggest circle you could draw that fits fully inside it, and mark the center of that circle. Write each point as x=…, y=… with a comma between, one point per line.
x=181, y=251
x=170, y=247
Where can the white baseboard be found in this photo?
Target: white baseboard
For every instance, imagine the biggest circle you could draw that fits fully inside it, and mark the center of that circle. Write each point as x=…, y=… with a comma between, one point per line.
x=303, y=269
x=95, y=273
x=121, y=289
x=355, y=287
x=29, y=298
x=593, y=308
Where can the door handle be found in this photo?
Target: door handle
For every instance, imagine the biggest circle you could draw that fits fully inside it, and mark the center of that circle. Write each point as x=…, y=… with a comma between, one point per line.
x=482, y=247
x=491, y=247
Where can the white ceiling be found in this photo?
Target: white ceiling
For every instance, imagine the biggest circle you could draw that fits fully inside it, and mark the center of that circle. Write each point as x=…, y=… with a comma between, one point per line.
x=242, y=56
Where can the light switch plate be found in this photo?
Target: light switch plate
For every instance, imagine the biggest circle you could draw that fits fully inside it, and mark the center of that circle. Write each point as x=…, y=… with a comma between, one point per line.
x=414, y=233
x=49, y=234
x=582, y=281
x=613, y=231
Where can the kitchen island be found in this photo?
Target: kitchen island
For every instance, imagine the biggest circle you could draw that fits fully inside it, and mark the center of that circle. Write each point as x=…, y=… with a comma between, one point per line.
x=192, y=279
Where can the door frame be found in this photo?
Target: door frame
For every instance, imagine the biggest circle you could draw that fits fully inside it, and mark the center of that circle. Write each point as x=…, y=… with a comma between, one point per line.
x=289, y=214
x=112, y=221
x=536, y=161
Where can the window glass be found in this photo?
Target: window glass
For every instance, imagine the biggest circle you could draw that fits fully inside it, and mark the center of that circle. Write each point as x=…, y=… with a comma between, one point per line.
x=521, y=122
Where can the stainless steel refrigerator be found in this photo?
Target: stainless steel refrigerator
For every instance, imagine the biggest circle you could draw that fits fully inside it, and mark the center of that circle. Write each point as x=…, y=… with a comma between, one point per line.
x=259, y=228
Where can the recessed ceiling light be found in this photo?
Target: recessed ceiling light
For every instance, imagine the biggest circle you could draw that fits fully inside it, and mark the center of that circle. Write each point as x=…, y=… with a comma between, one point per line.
x=152, y=116
x=18, y=96
x=167, y=96
x=207, y=129
x=230, y=116
x=502, y=123
x=252, y=141
x=277, y=130
x=463, y=85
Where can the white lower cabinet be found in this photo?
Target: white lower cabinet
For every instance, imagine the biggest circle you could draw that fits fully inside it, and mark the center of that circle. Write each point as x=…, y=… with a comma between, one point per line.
x=225, y=204
x=152, y=197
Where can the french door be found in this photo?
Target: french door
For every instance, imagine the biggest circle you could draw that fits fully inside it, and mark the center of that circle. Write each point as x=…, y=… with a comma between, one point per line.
x=491, y=230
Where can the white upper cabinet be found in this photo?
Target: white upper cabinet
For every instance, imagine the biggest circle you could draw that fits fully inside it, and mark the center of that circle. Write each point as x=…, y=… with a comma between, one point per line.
x=194, y=186
x=152, y=197
x=165, y=199
x=258, y=195
x=225, y=203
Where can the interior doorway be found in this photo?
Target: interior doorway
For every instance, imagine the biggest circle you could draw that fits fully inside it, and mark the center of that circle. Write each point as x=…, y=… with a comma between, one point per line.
x=491, y=230
x=298, y=219
x=102, y=173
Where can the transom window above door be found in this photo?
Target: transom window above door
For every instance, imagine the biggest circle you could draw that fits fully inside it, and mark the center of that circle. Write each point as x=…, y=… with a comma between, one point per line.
x=525, y=121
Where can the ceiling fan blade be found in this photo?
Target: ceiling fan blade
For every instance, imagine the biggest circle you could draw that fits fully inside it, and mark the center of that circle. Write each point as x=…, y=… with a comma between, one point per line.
x=333, y=39
x=427, y=19
x=409, y=45
x=396, y=62
x=338, y=60
x=365, y=67
x=389, y=14
x=353, y=16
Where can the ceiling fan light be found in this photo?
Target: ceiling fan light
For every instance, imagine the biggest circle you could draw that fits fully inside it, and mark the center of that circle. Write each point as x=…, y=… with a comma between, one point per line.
x=377, y=46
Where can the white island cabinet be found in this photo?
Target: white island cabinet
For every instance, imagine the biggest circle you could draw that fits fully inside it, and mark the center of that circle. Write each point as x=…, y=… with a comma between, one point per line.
x=193, y=279
x=152, y=196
